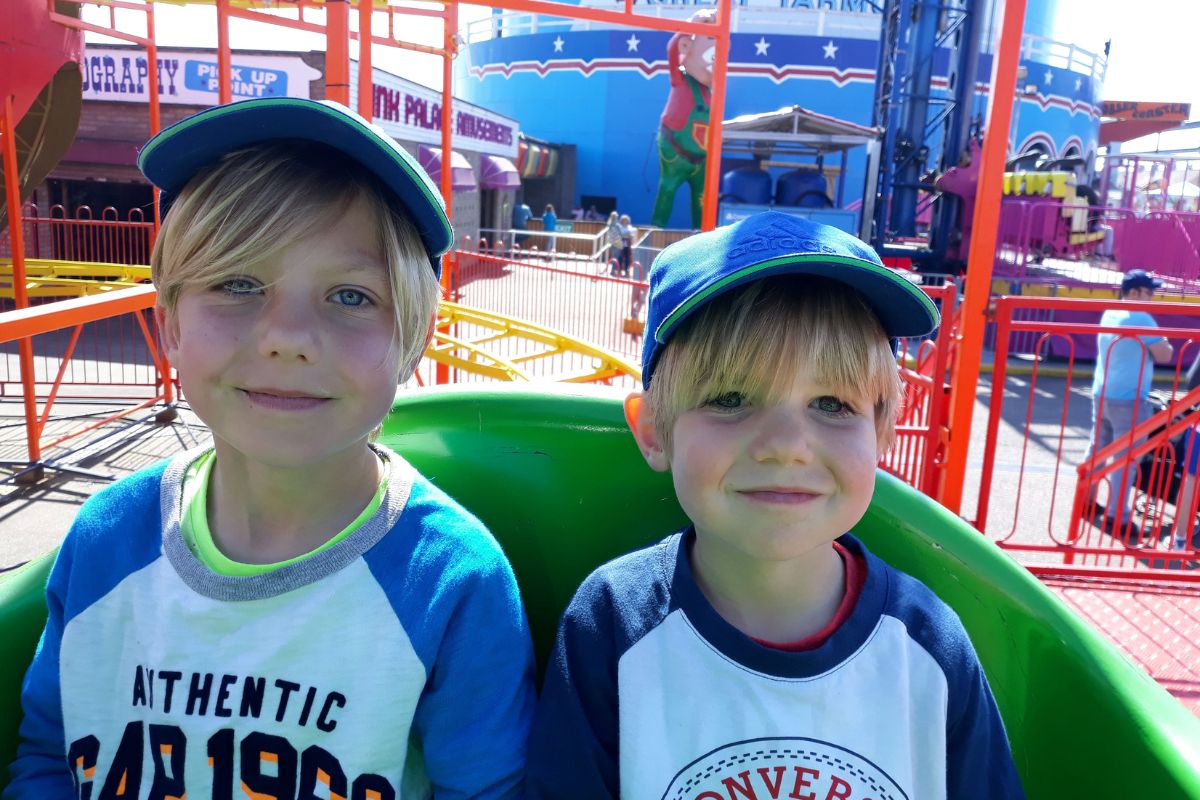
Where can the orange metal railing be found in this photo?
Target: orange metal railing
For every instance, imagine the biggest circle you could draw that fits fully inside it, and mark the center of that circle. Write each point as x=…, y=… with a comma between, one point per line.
x=1037, y=494
x=71, y=316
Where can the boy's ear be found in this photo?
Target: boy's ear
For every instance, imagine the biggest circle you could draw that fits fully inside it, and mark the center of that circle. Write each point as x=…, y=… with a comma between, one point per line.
x=168, y=331
x=644, y=433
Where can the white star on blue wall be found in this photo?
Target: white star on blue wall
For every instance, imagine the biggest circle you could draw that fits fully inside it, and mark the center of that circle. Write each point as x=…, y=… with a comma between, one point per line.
x=830, y=49
x=558, y=44
x=760, y=47
x=632, y=42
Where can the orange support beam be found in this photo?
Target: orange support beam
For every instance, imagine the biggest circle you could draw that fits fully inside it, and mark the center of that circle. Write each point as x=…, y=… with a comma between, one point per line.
x=152, y=72
x=337, y=51
x=12, y=190
x=366, y=82
x=224, y=57
x=449, y=28
x=964, y=383
x=712, y=166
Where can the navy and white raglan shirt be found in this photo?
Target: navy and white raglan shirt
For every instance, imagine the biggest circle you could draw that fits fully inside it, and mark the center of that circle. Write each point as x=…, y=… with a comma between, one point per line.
x=651, y=695
x=396, y=663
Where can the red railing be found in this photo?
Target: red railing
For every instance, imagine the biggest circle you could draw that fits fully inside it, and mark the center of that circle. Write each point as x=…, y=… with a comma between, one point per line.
x=83, y=236
x=67, y=320
x=918, y=455
x=1038, y=494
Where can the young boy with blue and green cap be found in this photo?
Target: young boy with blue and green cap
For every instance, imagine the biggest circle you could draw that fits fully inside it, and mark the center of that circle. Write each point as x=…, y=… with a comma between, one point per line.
x=763, y=651
x=295, y=611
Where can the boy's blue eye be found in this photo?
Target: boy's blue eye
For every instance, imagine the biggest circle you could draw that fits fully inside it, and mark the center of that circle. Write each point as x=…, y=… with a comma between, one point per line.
x=828, y=404
x=239, y=286
x=728, y=401
x=351, y=297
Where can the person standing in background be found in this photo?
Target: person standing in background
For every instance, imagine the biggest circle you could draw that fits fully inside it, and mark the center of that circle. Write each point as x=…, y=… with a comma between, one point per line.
x=520, y=220
x=1124, y=372
x=549, y=224
x=613, y=240
x=628, y=234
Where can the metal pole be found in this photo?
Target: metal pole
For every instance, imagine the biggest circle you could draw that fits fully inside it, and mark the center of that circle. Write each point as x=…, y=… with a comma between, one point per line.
x=12, y=189
x=337, y=51
x=980, y=260
x=366, y=74
x=712, y=167
x=449, y=24
x=449, y=28
x=155, y=126
x=224, y=58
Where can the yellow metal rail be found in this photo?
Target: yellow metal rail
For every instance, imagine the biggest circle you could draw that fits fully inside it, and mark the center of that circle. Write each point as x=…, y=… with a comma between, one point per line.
x=467, y=339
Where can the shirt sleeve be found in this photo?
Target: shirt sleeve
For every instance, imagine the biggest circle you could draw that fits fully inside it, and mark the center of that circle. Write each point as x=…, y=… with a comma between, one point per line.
x=573, y=749
x=1141, y=319
x=40, y=769
x=473, y=718
x=979, y=762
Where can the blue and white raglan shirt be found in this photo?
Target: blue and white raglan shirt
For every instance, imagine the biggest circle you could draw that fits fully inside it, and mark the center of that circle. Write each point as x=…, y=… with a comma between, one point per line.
x=651, y=695
x=396, y=663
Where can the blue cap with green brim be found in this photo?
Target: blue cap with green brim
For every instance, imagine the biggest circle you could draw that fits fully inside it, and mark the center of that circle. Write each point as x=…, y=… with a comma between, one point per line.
x=692, y=272
x=178, y=153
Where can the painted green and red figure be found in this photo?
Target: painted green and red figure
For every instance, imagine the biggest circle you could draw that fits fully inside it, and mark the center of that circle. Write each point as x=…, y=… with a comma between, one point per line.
x=683, y=132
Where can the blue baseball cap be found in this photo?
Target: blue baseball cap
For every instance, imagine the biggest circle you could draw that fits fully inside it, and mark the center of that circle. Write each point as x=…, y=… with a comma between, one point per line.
x=1139, y=279
x=693, y=271
x=178, y=153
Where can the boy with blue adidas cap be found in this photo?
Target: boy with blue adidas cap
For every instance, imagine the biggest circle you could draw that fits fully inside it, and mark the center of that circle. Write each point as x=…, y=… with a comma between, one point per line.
x=294, y=612
x=763, y=651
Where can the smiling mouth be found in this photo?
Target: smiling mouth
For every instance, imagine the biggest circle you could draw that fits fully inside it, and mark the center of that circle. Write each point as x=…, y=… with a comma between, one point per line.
x=283, y=401
x=779, y=496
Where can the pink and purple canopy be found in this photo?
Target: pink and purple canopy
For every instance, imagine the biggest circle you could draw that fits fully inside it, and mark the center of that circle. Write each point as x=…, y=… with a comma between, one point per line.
x=497, y=172
x=462, y=177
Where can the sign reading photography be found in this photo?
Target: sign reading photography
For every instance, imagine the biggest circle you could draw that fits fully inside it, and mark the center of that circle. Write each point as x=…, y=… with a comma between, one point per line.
x=189, y=77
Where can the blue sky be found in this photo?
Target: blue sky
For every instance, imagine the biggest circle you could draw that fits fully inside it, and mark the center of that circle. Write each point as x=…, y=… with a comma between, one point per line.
x=1150, y=40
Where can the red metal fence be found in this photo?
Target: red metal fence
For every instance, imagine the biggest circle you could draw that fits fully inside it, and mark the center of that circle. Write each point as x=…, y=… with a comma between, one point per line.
x=107, y=238
x=1038, y=495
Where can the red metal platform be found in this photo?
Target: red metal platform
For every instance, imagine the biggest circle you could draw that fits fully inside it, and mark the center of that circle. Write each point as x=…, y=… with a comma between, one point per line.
x=1157, y=625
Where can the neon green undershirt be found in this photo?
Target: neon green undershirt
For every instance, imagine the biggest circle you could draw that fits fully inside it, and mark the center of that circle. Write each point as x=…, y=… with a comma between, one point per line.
x=198, y=536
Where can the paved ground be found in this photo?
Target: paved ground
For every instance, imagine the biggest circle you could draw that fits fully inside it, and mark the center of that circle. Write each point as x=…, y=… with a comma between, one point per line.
x=34, y=518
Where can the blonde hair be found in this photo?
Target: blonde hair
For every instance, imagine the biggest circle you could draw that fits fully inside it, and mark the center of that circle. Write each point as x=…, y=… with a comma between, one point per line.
x=756, y=338
x=255, y=202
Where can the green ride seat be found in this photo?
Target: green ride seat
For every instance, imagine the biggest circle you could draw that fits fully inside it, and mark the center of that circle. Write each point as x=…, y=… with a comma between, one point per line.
x=556, y=476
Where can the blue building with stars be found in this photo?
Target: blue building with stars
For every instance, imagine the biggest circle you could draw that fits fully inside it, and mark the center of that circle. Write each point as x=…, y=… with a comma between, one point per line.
x=603, y=88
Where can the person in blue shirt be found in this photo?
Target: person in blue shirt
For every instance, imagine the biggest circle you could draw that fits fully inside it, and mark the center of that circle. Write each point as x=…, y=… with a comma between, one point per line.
x=294, y=611
x=763, y=650
x=1120, y=385
x=521, y=215
x=549, y=224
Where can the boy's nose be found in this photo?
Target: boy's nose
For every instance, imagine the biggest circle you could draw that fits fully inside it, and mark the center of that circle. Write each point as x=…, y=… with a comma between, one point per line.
x=287, y=329
x=784, y=437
